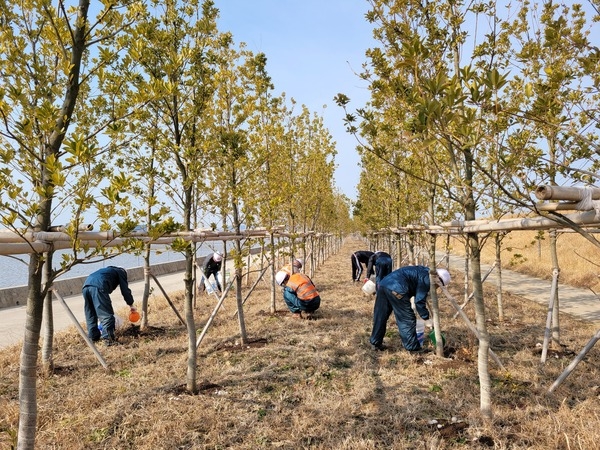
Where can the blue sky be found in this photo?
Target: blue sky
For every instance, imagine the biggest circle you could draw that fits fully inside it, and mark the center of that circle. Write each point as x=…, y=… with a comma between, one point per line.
x=313, y=48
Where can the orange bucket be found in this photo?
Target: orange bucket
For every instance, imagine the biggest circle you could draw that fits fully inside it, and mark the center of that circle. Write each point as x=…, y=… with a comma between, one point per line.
x=134, y=316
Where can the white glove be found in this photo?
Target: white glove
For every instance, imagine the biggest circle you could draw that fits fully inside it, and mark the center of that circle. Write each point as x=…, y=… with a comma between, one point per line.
x=429, y=323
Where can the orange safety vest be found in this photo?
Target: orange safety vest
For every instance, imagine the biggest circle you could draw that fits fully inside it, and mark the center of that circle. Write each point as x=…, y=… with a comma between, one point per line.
x=302, y=286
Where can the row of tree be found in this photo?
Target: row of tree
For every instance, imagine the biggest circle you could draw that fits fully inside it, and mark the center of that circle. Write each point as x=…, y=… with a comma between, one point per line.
x=473, y=105
x=117, y=113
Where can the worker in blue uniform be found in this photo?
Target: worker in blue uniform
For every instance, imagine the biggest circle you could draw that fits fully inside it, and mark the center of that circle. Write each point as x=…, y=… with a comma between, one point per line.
x=97, y=304
x=394, y=294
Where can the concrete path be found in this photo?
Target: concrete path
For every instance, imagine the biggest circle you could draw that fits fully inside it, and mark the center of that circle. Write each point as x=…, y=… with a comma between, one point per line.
x=12, y=320
x=579, y=303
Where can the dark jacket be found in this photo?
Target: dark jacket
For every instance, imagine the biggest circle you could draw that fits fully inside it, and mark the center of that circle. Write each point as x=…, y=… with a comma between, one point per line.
x=211, y=266
x=373, y=262
x=108, y=278
x=362, y=256
x=410, y=281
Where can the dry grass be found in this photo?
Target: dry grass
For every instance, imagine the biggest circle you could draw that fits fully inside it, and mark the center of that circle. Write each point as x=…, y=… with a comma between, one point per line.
x=312, y=384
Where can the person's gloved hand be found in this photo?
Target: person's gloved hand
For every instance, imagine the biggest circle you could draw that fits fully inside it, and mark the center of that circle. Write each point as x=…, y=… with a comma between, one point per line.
x=429, y=323
x=132, y=308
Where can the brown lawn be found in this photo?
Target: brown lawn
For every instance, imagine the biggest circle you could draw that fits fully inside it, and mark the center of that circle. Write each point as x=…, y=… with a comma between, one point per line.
x=312, y=384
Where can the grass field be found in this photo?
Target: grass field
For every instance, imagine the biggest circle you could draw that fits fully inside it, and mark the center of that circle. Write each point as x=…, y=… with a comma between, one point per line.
x=315, y=384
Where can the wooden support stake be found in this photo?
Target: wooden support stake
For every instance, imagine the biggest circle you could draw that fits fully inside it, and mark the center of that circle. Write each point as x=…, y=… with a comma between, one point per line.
x=548, y=330
x=81, y=330
x=473, y=293
x=214, y=313
x=574, y=363
x=168, y=299
x=469, y=324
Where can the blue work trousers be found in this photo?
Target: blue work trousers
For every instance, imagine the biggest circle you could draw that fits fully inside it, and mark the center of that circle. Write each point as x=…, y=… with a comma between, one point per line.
x=98, y=307
x=296, y=305
x=387, y=301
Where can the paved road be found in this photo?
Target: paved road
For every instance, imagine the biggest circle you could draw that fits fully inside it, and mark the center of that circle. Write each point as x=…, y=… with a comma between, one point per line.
x=12, y=320
x=580, y=303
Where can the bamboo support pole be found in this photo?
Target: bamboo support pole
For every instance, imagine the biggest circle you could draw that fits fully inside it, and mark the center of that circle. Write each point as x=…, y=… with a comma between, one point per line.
x=587, y=218
x=563, y=376
x=573, y=194
x=258, y=280
x=548, y=329
x=562, y=206
x=54, y=236
x=214, y=313
x=473, y=293
x=82, y=227
x=81, y=330
x=469, y=324
x=168, y=299
x=13, y=243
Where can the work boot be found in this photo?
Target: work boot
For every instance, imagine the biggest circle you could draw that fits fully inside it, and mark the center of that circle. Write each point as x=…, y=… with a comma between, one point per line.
x=378, y=347
x=110, y=342
x=297, y=316
x=420, y=351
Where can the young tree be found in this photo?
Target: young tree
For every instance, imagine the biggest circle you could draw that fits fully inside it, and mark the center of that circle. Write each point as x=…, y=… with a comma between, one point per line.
x=242, y=81
x=53, y=59
x=272, y=182
x=417, y=75
x=175, y=48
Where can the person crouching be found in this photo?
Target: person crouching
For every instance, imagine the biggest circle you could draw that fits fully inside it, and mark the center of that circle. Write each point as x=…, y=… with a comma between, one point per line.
x=299, y=293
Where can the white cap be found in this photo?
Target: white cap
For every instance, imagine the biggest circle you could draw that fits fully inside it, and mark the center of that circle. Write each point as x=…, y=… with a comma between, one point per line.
x=444, y=276
x=217, y=257
x=281, y=277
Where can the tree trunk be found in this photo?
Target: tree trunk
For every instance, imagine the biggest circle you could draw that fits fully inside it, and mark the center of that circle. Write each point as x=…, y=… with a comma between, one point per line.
x=411, y=248
x=48, y=320
x=190, y=323
x=188, y=281
x=435, y=308
x=484, y=339
x=238, y=293
x=238, y=274
x=29, y=356
x=273, y=306
x=146, y=293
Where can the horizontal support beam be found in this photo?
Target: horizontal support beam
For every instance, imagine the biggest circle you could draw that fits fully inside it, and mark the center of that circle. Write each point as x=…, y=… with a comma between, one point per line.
x=13, y=243
x=572, y=194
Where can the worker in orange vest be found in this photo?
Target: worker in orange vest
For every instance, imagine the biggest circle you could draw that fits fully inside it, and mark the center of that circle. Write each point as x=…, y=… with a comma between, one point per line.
x=299, y=294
